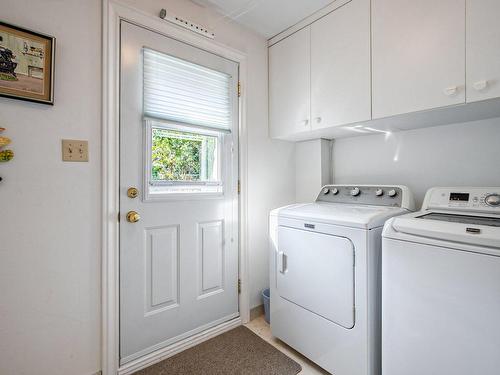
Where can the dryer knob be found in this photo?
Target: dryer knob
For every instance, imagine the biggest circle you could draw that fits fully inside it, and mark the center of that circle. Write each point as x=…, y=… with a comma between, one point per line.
x=379, y=192
x=492, y=200
x=335, y=191
x=355, y=192
x=392, y=193
x=325, y=191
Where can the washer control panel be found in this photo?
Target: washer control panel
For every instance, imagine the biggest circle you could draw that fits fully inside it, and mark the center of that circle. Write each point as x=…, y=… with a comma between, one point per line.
x=360, y=194
x=464, y=199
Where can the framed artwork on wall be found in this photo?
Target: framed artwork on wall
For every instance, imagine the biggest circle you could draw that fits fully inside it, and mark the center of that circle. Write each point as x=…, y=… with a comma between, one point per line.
x=26, y=64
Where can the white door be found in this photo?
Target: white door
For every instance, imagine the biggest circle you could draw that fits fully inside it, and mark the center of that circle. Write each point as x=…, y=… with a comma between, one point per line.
x=179, y=149
x=290, y=85
x=483, y=50
x=316, y=272
x=418, y=55
x=340, y=66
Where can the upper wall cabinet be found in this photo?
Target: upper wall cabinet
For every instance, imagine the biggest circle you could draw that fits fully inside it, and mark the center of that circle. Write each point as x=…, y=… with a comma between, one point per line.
x=367, y=66
x=319, y=76
x=340, y=66
x=418, y=50
x=483, y=49
x=289, y=85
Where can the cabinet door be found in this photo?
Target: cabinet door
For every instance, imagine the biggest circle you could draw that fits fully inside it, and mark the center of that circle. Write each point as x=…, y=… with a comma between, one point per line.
x=289, y=85
x=483, y=49
x=418, y=50
x=340, y=66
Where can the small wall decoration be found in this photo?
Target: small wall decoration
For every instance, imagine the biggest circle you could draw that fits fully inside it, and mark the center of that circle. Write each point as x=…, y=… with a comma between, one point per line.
x=26, y=64
x=5, y=155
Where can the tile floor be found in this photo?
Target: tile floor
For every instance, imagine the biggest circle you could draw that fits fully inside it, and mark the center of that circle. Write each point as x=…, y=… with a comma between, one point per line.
x=261, y=328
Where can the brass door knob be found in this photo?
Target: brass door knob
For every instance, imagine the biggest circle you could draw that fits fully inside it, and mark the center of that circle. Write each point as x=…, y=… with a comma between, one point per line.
x=133, y=217
x=132, y=192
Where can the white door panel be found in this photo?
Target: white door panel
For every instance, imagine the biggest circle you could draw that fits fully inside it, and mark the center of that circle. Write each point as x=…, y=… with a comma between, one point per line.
x=316, y=272
x=162, y=263
x=290, y=85
x=179, y=262
x=211, y=257
x=418, y=55
x=340, y=66
x=483, y=50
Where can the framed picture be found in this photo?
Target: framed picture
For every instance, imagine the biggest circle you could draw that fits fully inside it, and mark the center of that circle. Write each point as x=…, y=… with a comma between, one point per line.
x=26, y=64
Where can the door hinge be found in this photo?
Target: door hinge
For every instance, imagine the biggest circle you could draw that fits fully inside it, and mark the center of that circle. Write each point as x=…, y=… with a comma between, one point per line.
x=239, y=187
x=239, y=89
x=118, y=216
x=239, y=286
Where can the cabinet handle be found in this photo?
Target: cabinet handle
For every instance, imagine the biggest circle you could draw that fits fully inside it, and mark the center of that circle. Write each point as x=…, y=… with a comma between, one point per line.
x=305, y=122
x=318, y=119
x=450, y=91
x=480, y=85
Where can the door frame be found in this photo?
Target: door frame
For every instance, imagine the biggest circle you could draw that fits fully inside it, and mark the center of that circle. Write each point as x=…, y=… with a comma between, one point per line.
x=113, y=11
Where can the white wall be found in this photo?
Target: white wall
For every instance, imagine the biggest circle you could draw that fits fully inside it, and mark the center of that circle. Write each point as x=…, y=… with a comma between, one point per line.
x=460, y=154
x=312, y=168
x=50, y=210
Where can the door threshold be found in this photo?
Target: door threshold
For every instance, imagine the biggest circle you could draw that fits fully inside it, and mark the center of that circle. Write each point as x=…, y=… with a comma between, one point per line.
x=177, y=347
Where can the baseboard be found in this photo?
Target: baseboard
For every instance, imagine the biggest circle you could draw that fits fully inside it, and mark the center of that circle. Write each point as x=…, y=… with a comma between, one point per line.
x=256, y=312
x=171, y=350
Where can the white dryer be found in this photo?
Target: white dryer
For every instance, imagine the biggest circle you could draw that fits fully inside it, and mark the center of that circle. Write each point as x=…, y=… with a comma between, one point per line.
x=441, y=286
x=325, y=274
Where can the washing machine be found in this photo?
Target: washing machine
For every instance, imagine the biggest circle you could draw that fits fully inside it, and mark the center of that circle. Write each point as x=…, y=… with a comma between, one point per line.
x=325, y=274
x=441, y=286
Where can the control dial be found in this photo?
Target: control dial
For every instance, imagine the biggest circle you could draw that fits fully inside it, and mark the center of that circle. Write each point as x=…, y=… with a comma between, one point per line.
x=355, y=192
x=392, y=193
x=335, y=191
x=379, y=192
x=493, y=200
x=325, y=191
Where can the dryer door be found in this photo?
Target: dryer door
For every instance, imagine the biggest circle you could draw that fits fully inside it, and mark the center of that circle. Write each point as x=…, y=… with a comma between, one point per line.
x=316, y=272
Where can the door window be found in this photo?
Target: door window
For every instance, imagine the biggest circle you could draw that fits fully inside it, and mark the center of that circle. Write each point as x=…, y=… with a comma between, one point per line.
x=182, y=160
x=188, y=112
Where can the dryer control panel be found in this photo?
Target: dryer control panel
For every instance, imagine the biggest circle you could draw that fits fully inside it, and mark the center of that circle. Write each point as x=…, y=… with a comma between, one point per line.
x=376, y=195
x=463, y=199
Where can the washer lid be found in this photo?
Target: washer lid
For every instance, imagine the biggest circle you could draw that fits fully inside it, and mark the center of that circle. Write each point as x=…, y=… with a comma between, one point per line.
x=464, y=219
x=349, y=215
x=429, y=226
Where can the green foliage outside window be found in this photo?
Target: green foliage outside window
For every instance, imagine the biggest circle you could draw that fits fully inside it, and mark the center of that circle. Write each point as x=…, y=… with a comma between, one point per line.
x=179, y=156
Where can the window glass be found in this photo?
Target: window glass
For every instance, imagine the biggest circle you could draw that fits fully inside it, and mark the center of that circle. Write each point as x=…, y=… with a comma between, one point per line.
x=183, y=156
x=183, y=160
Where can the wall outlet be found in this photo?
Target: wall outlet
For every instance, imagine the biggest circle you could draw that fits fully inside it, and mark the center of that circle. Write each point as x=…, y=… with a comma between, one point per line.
x=75, y=150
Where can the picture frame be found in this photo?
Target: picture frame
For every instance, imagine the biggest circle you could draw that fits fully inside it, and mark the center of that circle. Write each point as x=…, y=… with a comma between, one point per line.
x=26, y=64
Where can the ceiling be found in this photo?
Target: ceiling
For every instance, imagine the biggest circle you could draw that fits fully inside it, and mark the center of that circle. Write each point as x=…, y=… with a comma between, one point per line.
x=266, y=17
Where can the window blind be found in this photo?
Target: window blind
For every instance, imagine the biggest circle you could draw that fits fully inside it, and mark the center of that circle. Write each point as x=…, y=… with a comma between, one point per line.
x=181, y=91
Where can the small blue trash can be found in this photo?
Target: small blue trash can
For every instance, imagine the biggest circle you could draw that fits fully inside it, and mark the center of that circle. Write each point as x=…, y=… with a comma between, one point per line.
x=266, y=298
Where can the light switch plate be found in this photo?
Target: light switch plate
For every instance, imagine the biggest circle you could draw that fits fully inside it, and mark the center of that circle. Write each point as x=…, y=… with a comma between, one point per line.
x=75, y=150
